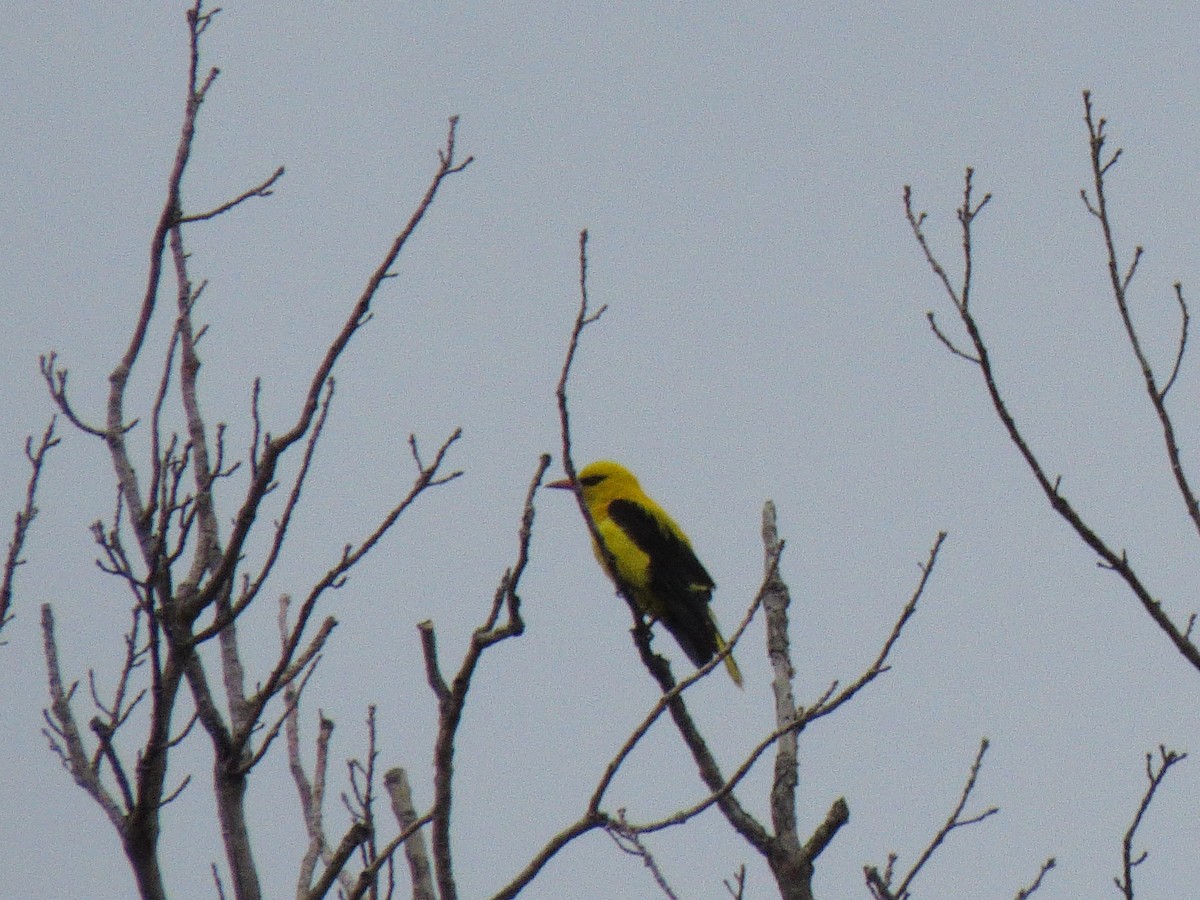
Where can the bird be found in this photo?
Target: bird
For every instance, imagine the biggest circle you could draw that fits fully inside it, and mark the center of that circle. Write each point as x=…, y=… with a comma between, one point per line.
x=653, y=558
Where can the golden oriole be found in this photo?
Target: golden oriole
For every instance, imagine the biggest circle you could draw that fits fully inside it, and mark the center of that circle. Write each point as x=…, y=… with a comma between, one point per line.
x=653, y=558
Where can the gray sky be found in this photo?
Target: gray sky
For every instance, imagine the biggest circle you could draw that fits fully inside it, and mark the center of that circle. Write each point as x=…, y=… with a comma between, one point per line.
x=740, y=173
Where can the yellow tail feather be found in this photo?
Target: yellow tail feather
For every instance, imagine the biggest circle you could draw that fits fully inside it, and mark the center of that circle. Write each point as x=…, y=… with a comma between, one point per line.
x=731, y=665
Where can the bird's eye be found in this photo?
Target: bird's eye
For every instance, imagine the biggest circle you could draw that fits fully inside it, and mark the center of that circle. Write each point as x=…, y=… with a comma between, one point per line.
x=591, y=480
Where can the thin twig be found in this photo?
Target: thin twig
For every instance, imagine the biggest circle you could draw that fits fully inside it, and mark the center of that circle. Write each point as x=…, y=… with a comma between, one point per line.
x=259, y=190
x=630, y=842
x=880, y=884
x=216, y=874
x=1184, y=321
x=24, y=517
x=1026, y=892
x=737, y=888
x=1154, y=775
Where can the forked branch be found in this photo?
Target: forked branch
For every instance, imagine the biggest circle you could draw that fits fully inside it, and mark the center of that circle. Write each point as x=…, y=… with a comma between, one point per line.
x=1110, y=557
x=1130, y=858
x=880, y=884
x=1120, y=281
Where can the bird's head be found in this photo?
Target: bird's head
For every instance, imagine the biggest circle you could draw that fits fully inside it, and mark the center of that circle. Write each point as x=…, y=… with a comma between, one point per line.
x=602, y=481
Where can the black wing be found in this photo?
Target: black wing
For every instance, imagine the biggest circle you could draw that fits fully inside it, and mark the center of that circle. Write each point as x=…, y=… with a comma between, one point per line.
x=679, y=584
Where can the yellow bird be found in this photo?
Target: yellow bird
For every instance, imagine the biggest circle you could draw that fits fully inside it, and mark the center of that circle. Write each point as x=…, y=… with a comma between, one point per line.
x=654, y=558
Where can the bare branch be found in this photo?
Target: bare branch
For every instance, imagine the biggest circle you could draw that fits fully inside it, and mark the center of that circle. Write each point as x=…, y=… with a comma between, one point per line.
x=260, y=190
x=915, y=221
x=1184, y=321
x=433, y=671
x=589, y=821
x=367, y=876
x=24, y=517
x=1027, y=892
x=312, y=794
x=630, y=842
x=174, y=795
x=105, y=750
x=56, y=383
x=216, y=874
x=1154, y=775
x=776, y=600
x=62, y=719
x=880, y=884
x=179, y=738
x=1120, y=285
x=452, y=700
x=837, y=816
x=880, y=665
x=274, y=447
x=1051, y=487
x=583, y=318
x=395, y=781
x=358, y=833
x=362, y=785
x=1133, y=264
x=950, y=345
x=281, y=525
x=737, y=888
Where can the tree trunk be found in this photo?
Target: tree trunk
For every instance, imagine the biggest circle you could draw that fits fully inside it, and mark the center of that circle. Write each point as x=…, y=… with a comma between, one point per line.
x=231, y=809
x=793, y=873
x=141, y=848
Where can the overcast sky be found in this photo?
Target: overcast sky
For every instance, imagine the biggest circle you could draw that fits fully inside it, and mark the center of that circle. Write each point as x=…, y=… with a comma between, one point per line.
x=740, y=170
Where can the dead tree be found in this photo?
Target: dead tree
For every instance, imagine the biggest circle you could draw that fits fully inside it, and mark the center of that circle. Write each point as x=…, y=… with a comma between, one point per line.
x=180, y=543
x=190, y=578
